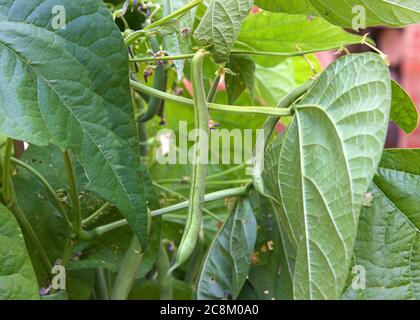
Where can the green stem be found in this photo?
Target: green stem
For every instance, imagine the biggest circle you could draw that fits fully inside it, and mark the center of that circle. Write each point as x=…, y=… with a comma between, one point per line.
x=218, y=107
x=234, y=53
x=100, y=231
x=94, y=217
x=176, y=14
x=164, y=58
x=184, y=198
x=6, y=190
x=74, y=195
x=225, y=172
x=213, y=89
x=68, y=251
x=33, y=237
x=101, y=285
x=126, y=275
x=53, y=195
x=165, y=279
x=280, y=54
x=9, y=197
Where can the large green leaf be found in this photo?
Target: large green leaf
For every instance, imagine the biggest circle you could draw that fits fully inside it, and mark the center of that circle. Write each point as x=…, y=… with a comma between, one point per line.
x=226, y=266
x=403, y=110
x=17, y=276
x=325, y=166
x=287, y=6
x=70, y=87
x=388, y=241
x=220, y=26
x=279, y=32
x=394, y=13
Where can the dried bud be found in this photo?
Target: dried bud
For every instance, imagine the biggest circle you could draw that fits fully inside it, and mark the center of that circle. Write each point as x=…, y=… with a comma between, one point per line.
x=147, y=73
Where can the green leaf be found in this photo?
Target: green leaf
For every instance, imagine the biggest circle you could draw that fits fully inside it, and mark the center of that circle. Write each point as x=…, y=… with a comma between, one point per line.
x=403, y=110
x=17, y=276
x=393, y=13
x=178, y=43
x=271, y=273
x=220, y=26
x=227, y=263
x=325, y=166
x=287, y=6
x=244, y=69
x=388, y=241
x=273, y=83
x=70, y=87
x=279, y=32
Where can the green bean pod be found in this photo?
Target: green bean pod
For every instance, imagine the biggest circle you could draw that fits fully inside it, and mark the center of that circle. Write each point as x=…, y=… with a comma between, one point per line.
x=197, y=191
x=268, y=128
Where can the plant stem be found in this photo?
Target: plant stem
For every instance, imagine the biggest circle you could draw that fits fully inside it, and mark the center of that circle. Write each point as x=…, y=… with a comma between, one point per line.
x=33, y=237
x=184, y=198
x=218, y=107
x=225, y=172
x=278, y=54
x=176, y=14
x=74, y=195
x=213, y=89
x=68, y=251
x=47, y=186
x=10, y=200
x=164, y=58
x=94, y=217
x=233, y=53
x=6, y=190
x=100, y=231
x=101, y=285
x=165, y=279
x=128, y=269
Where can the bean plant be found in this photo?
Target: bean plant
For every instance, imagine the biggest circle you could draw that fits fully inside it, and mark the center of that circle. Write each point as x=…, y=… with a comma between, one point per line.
x=108, y=114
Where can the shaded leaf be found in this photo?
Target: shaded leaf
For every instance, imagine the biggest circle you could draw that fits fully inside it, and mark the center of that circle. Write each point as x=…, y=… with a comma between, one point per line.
x=227, y=263
x=387, y=248
x=394, y=13
x=70, y=87
x=17, y=276
x=244, y=69
x=325, y=167
x=271, y=273
x=220, y=26
x=403, y=109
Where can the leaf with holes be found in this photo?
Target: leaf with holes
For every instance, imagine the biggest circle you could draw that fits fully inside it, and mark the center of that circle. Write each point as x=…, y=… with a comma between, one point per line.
x=227, y=263
x=69, y=86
